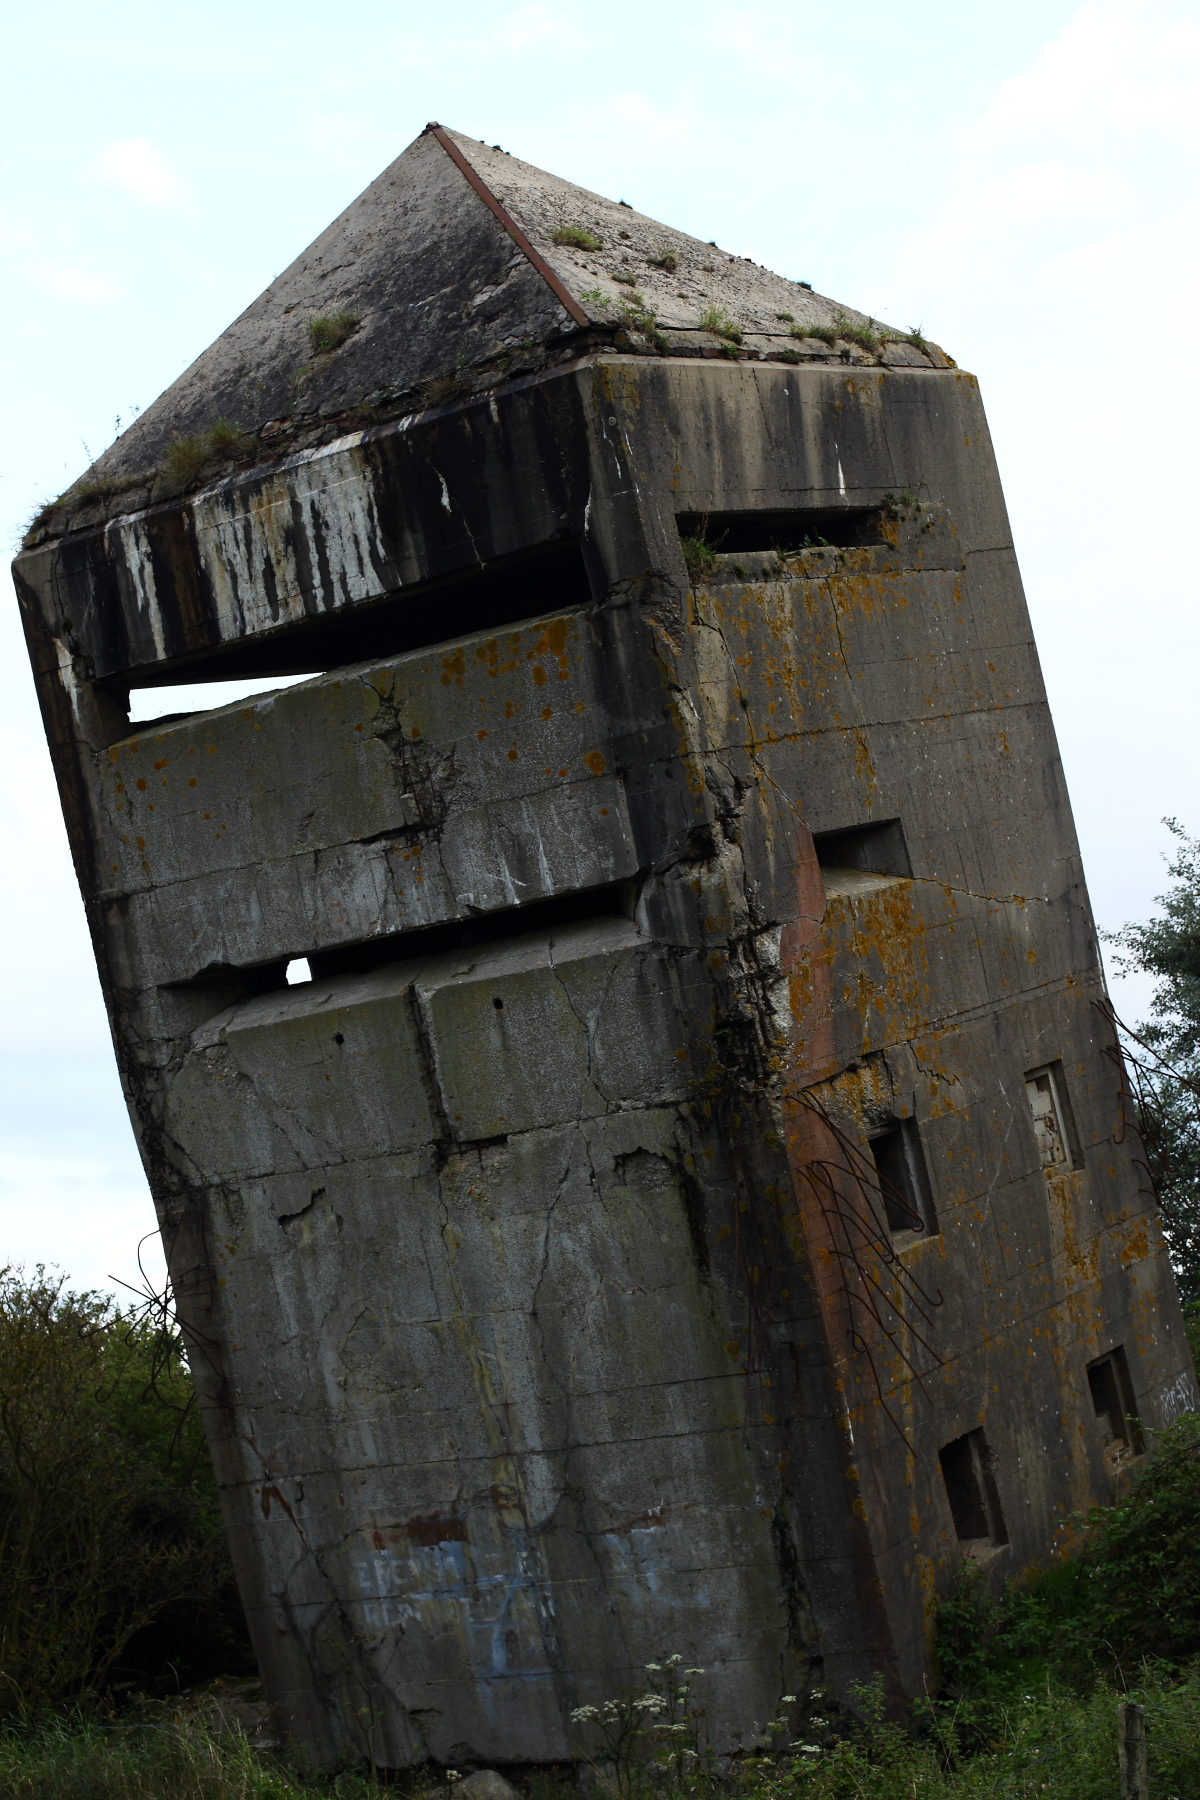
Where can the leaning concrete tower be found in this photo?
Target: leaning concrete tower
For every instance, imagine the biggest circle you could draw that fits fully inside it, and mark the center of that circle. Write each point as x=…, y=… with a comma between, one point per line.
x=689, y=1204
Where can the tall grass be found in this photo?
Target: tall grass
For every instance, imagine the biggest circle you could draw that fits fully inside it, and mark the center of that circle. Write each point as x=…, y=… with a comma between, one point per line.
x=1051, y=1745
x=79, y=1759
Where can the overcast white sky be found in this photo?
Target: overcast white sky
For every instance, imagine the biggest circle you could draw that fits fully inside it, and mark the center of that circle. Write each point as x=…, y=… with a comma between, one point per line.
x=1021, y=180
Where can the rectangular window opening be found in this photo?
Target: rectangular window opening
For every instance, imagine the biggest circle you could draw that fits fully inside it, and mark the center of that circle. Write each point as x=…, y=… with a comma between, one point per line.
x=617, y=900
x=904, y=1181
x=807, y=529
x=971, y=1490
x=1112, y=1402
x=509, y=591
x=1053, y=1120
x=875, y=848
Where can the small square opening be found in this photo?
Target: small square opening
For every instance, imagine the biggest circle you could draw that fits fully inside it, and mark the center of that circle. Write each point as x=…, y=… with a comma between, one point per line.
x=1112, y=1401
x=972, y=1493
x=1053, y=1120
x=903, y=1180
x=877, y=848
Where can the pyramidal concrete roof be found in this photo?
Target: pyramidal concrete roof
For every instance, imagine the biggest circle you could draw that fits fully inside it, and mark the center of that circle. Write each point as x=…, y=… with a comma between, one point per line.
x=458, y=267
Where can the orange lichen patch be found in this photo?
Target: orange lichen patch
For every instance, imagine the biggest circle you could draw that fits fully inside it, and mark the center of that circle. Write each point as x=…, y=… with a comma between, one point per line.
x=552, y=639
x=1134, y=1243
x=595, y=762
x=875, y=946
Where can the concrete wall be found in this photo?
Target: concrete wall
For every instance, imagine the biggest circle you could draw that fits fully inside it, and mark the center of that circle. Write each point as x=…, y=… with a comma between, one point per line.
x=534, y=1289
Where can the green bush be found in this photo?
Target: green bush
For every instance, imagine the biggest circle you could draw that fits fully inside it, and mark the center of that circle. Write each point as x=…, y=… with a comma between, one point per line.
x=1131, y=1593
x=113, y=1562
x=1141, y=1559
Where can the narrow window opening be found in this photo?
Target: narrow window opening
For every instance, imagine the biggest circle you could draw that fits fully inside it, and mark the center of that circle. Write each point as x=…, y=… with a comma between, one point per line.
x=1112, y=1402
x=508, y=591
x=1053, y=1121
x=903, y=1180
x=488, y=928
x=233, y=983
x=877, y=848
x=972, y=1493
x=806, y=529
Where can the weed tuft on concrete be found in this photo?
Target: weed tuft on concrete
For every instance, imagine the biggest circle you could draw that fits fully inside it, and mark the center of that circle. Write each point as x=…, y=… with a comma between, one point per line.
x=92, y=487
x=898, y=503
x=714, y=318
x=184, y=460
x=330, y=332
x=635, y=315
x=699, y=556
x=825, y=334
x=440, y=390
x=226, y=439
x=578, y=237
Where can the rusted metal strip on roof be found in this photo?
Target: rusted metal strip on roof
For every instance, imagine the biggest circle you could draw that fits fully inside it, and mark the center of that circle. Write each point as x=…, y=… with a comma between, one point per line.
x=509, y=223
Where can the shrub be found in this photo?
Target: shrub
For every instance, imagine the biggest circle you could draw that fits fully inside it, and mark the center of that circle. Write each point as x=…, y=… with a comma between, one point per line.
x=108, y=1513
x=1141, y=1558
x=1131, y=1594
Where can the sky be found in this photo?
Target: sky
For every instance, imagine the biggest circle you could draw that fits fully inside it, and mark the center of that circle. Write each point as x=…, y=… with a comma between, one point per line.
x=1018, y=180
